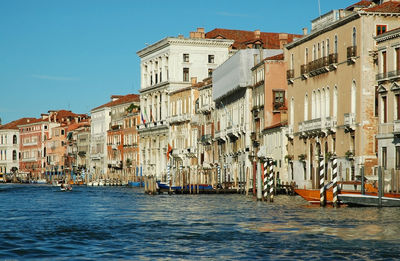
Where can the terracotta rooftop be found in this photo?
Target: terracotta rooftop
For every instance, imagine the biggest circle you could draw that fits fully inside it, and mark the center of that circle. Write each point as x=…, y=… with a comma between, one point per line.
x=387, y=7
x=123, y=99
x=243, y=38
x=276, y=57
x=14, y=124
x=74, y=126
x=361, y=4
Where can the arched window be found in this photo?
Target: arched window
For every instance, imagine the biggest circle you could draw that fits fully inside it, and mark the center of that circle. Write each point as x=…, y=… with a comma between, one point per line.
x=306, y=108
x=15, y=141
x=354, y=36
x=14, y=155
x=327, y=102
x=323, y=104
x=353, y=97
x=318, y=111
x=292, y=111
x=335, y=100
x=313, y=105
x=327, y=47
x=336, y=44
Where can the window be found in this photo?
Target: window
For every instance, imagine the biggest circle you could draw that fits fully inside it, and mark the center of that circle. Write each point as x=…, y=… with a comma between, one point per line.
x=397, y=157
x=15, y=139
x=327, y=47
x=397, y=101
x=397, y=50
x=62, y=132
x=384, y=109
x=306, y=56
x=336, y=44
x=376, y=101
x=186, y=57
x=384, y=157
x=384, y=62
x=380, y=29
x=14, y=155
x=279, y=99
x=210, y=72
x=185, y=74
x=354, y=36
x=210, y=58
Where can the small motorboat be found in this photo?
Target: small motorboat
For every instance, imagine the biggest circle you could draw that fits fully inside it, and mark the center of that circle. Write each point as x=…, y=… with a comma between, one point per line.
x=65, y=187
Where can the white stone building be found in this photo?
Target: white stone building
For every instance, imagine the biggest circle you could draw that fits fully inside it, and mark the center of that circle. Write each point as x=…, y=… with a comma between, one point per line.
x=169, y=65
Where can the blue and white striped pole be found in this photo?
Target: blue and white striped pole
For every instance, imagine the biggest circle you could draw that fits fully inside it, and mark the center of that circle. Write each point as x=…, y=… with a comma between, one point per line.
x=219, y=174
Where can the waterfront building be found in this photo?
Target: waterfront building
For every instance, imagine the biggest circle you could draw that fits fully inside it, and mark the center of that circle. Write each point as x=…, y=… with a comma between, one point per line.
x=331, y=76
x=108, y=116
x=204, y=120
x=183, y=131
x=9, y=146
x=166, y=66
x=115, y=134
x=33, y=137
x=131, y=166
x=58, y=158
x=232, y=94
x=388, y=84
x=77, y=143
x=269, y=113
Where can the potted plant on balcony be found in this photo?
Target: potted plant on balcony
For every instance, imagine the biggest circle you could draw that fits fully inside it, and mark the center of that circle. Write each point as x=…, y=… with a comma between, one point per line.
x=302, y=157
x=288, y=158
x=330, y=155
x=349, y=155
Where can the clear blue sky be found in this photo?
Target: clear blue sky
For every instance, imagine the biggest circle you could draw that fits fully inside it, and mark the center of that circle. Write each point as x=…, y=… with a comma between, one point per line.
x=74, y=54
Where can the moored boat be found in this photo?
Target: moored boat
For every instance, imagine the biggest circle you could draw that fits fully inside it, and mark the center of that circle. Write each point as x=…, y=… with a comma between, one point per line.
x=358, y=200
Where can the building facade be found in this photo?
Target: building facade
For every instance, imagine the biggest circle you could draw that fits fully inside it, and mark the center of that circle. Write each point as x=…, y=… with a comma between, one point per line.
x=331, y=92
x=388, y=84
x=167, y=66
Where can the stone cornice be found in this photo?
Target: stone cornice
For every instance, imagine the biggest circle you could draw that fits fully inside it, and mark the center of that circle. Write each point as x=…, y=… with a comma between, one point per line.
x=183, y=41
x=388, y=35
x=328, y=28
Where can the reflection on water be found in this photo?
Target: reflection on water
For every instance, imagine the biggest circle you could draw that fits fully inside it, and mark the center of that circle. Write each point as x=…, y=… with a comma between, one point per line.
x=40, y=222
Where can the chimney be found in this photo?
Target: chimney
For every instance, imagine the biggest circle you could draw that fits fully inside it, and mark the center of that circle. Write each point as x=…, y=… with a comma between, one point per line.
x=180, y=36
x=305, y=31
x=257, y=34
x=199, y=34
x=194, y=80
x=283, y=39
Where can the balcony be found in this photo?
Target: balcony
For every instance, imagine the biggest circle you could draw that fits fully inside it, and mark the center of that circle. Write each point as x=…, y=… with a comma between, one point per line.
x=323, y=125
x=179, y=118
x=289, y=132
x=394, y=74
x=206, y=139
x=385, y=128
x=220, y=135
x=29, y=159
x=351, y=54
x=192, y=152
x=331, y=124
x=396, y=127
x=31, y=143
x=233, y=131
x=381, y=76
x=350, y=121
x=290, y=74
x=333, y=60
x=304, y=70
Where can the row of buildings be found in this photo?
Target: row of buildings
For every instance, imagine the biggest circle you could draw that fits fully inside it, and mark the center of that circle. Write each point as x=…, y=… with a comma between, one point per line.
x=226, y=101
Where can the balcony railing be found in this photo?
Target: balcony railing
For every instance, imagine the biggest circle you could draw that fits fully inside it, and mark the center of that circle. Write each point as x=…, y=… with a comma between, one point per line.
x=382, y=76
x=333, y=58
x=395, y=73
x=206, y=139
x=385, y=128
x=323, y=124
x=396, y=127
x=290, y=74
x=351, y=51
x=304, y=69
x=350, y=120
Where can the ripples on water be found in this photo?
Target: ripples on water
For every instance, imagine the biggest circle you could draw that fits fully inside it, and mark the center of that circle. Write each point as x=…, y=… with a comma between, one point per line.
x=40, y=222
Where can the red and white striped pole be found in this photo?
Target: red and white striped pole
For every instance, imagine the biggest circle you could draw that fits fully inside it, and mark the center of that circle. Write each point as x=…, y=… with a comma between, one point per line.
x=271, y=181
x=266, y=189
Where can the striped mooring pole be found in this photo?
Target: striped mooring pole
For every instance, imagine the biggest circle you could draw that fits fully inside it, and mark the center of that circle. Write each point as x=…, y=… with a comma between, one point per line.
x=219, y=174
x=265, y=180
x=271, y=181
x=335, y=187
x=321, y=182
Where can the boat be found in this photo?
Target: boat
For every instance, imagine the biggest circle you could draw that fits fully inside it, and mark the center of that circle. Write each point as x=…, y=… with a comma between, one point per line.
x=162, y=185
x=57, y=183
x=313, y=195
x=136, y=184
x=41, y=181
x=65, y=187
x=358, y=200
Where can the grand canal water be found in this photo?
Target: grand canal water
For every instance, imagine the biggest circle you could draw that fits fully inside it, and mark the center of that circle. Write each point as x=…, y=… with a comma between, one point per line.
x=92, y=223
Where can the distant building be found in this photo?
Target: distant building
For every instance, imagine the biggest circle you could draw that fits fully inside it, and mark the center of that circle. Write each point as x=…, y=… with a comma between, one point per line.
x=9, y=145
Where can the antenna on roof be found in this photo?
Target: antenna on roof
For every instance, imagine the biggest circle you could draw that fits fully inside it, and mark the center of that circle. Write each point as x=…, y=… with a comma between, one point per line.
x=319, y=9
